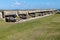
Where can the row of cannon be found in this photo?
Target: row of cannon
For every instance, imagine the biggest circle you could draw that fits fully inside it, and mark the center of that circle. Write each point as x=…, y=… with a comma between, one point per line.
x=16, y=15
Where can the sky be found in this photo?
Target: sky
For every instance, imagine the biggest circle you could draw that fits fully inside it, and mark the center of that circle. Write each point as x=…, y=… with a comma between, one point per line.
x=29, y=4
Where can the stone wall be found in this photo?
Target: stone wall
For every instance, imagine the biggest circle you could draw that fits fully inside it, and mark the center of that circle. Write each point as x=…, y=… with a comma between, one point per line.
x=25, y=13
x=0, y=14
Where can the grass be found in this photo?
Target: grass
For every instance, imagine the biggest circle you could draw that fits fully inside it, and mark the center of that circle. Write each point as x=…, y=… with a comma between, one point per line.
x=47, y=28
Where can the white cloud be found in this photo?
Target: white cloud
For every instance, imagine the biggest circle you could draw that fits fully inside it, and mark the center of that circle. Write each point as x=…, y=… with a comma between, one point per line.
x=16, y=3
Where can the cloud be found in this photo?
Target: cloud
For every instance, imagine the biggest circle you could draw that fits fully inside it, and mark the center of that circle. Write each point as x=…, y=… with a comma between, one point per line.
x=16, y=3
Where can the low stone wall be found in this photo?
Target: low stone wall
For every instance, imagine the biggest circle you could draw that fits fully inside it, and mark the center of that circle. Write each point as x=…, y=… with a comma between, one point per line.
x=29, y=13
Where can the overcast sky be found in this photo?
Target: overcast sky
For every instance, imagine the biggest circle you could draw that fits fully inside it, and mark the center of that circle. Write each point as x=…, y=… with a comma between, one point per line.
x=29, y=4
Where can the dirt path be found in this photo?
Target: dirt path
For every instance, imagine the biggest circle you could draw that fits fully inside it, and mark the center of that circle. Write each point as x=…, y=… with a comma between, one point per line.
x=33, y=18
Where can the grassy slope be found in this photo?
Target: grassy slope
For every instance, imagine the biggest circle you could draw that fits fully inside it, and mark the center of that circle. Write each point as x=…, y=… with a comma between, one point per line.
x=47, y=28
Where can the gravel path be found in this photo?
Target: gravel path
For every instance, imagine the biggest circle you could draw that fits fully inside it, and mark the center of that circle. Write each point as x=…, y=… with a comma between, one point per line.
x=32, y=18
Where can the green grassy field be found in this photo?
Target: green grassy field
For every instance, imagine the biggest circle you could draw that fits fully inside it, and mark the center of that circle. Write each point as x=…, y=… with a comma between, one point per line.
x=47, y=28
